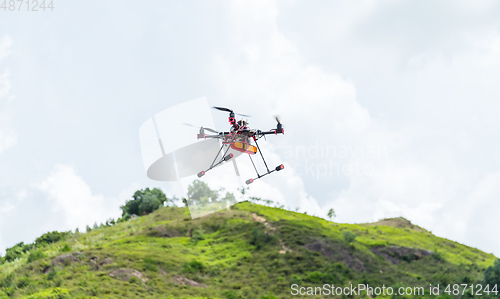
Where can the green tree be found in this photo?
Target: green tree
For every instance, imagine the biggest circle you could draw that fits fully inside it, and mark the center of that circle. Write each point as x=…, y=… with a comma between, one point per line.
x=17, y=251
x=149, y=203
x=144, y=202
x=331, y=214
x=50, y=237
x=200, y=194
x=229, y=198
x=492, y=274
x=349, y=237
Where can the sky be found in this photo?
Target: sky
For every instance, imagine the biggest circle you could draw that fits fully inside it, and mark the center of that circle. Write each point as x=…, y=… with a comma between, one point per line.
x=390, y=108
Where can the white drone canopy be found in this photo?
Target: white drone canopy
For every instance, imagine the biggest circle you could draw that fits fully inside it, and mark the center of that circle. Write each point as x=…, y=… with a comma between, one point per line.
x=170, y=150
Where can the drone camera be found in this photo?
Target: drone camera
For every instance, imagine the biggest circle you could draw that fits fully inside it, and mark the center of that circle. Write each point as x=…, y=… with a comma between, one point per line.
x=201, y=173
x=280, y=167
x=249, y=181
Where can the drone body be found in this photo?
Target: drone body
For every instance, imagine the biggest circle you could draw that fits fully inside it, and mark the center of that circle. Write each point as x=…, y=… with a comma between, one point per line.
x=239, y=138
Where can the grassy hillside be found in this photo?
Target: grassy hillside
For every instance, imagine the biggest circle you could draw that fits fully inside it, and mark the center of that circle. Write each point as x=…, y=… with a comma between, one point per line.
x=251, y=251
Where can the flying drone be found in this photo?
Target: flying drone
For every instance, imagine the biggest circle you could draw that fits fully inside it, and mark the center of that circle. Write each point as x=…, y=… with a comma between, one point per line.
x=239, y=138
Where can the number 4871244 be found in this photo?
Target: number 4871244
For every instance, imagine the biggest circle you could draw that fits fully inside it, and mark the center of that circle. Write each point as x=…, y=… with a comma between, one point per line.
x=28, y=5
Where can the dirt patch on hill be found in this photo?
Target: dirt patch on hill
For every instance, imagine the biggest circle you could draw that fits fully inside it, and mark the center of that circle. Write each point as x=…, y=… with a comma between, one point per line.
x=126, y=274
x=396, y=254
x=66, y=259
x=269, y=229
x=163, y=232
x=186, y=281
x=337, y=253
x=398, y=222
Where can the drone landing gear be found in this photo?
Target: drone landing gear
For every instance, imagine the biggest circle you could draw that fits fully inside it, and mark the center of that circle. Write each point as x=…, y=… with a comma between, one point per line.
x=224, y=159
x=278, y=168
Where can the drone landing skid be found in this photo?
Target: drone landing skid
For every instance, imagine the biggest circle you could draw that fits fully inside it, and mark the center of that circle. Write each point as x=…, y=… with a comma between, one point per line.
x=278, y=168
x=224, y=158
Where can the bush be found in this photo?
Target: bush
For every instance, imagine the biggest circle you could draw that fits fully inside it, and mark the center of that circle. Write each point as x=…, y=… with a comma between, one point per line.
x=17, y=251
x=295, y=279
x=50, y=237
x=52, y=274
x=349, y=237
x=150, y=264
x=7, y=281
x=144, y=202
x=259, y=238
x=36, y=255
x=53, y=293
x=23, y=282
x=232, y=295
x=65, y=248
x=200, y=194
x=492, y=274
x=197, y=235
x=315, y=277
x=193, y=267
x=438, y=256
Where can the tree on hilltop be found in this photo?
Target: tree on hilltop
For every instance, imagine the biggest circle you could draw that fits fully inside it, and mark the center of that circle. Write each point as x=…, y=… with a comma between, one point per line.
x=144, y=201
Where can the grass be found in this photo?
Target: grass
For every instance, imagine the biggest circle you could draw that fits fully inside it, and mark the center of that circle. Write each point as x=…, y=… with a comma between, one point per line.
x=232, y=256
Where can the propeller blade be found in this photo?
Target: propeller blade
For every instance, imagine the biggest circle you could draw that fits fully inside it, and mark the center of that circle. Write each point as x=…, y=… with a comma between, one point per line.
x=208, y=129
x=244, y=115
x=211, y=130
x=229, y=110
x=277, y=119
x=223, y=109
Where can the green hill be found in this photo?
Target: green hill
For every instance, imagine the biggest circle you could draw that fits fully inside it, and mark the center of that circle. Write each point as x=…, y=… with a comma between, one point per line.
x=250, y=251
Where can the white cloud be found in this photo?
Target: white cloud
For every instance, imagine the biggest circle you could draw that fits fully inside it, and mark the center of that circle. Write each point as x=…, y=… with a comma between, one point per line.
x=8, y=137
x=6, y=207
x=264, y=69
x=423, y=173
x=73, y=199
x=5, y=44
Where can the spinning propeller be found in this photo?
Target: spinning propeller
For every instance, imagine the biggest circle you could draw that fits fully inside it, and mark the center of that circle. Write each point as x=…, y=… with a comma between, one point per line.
x=202, y=128
x=230, y=111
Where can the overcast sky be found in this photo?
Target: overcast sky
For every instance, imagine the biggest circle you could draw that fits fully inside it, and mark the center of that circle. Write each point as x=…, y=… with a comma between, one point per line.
x=390, y=107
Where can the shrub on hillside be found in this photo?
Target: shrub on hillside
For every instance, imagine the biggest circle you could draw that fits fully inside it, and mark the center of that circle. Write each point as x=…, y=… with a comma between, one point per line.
x=193, y=267
x=35, y=255
x=349, y=237
x=144, y=202
x=438, y=256
x=17, y=251
x=50, y=237
x=260, y=238
x=200, y=194
x=492, y=274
